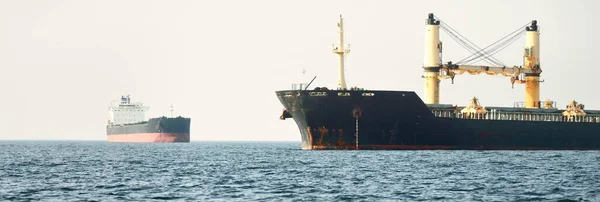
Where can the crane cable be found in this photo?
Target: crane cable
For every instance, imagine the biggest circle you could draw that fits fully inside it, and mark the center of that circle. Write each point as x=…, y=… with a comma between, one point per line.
x=520, y=31
x=498, y=49
x=470, y=46
x=514, y=36
x=481, y=54
x=462, y=43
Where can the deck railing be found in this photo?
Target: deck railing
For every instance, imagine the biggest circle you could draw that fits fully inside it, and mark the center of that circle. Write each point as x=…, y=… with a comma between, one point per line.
x=517, y=116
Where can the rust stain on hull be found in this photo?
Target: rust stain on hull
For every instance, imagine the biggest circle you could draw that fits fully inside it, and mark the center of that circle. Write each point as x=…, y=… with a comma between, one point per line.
x=341, y=141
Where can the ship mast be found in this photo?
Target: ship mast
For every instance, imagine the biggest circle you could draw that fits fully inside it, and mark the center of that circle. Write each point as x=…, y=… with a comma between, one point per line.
x=171, y=111
x=341, y=51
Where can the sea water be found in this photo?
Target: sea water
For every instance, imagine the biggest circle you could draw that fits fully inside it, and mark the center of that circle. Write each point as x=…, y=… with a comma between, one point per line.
x=281, y=171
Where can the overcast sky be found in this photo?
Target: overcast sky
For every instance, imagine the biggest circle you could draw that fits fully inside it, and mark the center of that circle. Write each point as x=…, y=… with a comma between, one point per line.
x=220, y=62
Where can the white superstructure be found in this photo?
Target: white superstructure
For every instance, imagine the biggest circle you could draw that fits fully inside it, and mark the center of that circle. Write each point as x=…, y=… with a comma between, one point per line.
x=126, y=112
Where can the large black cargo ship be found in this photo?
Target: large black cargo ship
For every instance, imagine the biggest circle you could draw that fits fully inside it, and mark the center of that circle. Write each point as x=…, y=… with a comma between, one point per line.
x=370, y=119
x=126, y=124
x=364, y=119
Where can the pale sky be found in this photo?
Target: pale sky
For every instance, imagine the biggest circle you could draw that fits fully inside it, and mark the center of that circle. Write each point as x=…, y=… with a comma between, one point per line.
x=220, y=62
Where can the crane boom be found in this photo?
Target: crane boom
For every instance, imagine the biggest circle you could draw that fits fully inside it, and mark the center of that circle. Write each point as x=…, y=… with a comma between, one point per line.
x=451, y=70
x=434, y=70
x=489, y=70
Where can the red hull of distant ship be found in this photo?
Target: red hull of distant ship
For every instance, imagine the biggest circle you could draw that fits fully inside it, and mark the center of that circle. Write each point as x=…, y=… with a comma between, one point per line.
x=150, y=137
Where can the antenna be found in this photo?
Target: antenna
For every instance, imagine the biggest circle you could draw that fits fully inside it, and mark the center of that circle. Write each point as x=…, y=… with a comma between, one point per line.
x=341, y=51
x=171, y=111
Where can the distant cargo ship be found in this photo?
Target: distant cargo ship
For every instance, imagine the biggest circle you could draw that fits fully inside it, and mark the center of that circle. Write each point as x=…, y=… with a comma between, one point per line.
x=127, y=124
x=355, y=118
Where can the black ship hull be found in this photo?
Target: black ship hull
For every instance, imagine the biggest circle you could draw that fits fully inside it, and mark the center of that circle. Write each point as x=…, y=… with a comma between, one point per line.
x=334, y=119
x=161, y=129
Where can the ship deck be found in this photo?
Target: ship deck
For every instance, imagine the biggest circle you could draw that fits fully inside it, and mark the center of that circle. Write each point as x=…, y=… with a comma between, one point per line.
x=513, y=114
